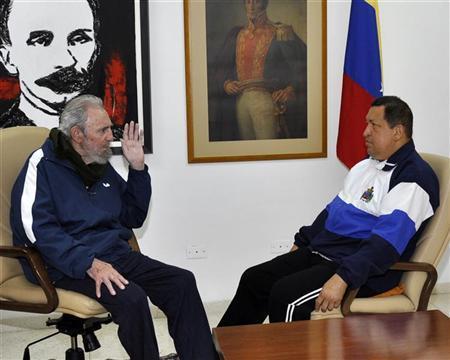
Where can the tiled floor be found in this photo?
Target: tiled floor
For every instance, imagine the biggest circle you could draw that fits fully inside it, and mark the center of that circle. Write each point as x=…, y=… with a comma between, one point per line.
x=16, y=332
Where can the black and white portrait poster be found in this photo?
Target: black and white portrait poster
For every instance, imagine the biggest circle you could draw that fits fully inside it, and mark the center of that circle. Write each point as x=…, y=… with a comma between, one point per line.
x=53, y=50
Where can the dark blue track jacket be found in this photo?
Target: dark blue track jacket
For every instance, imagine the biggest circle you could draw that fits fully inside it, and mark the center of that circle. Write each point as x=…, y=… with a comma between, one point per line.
x=52, y=210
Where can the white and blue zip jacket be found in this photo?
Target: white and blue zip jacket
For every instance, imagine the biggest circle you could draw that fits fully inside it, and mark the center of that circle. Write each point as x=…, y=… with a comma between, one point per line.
x=69, y=224
x=376, y=219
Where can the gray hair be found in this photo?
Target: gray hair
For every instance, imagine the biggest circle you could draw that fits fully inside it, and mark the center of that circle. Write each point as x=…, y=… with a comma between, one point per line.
x=75, y=112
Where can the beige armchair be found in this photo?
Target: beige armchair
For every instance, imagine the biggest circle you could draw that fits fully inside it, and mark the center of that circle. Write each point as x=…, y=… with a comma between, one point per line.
x=16, y=293
x=420, y=274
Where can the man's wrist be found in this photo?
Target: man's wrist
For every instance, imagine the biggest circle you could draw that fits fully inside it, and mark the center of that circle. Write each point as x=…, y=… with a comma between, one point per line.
x=341, y=281
x=343, y=276
x=93, y=265
x=138, y=167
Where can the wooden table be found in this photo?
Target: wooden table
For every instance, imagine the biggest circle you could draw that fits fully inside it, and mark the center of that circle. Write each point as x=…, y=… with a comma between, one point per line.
x=419, y=335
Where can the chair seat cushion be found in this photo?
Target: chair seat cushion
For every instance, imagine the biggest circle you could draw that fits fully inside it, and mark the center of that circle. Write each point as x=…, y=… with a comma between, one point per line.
x=398, y=290
x=19, y=288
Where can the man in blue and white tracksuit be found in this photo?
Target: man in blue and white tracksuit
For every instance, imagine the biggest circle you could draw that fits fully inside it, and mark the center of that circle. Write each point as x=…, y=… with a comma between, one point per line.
x=373, y=222
x=74, y=208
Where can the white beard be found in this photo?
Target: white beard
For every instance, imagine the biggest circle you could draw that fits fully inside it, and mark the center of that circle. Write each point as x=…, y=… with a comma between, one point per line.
x=99, y=158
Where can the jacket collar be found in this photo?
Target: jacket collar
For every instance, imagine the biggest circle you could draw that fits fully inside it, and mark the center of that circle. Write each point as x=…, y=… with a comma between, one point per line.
x=60, y=149
x=397, y=157
x=49, y=152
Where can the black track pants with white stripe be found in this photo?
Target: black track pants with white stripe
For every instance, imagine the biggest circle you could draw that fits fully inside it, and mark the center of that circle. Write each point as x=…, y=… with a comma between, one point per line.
x=285, y=288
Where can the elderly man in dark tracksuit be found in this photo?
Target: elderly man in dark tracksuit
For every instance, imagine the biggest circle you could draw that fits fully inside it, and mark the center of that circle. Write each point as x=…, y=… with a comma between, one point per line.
x=70, y=204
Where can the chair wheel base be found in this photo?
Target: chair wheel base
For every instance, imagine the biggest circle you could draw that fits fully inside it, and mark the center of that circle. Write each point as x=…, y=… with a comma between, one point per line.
x=75, y=354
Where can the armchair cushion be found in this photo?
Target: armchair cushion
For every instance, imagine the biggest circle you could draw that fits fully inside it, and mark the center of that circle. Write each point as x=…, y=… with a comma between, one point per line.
x=398, y=290
x=19, y=288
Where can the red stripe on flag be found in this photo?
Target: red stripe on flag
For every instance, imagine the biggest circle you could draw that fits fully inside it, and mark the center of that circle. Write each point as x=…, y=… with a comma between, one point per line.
x=355, y=104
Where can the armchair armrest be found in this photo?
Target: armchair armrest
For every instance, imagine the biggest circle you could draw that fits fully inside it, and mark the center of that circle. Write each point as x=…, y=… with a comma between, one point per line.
x=36, y=263
x=427, y=288
x=38, y=268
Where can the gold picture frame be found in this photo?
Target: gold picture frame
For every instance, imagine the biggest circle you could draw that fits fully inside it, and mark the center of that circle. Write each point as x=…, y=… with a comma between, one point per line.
x=215, y=133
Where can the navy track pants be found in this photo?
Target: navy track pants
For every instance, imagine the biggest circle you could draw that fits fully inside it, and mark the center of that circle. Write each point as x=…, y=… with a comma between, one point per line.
x=171, y=289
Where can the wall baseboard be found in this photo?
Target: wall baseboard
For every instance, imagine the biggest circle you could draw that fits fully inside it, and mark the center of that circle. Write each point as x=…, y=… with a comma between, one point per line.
x=442, y=288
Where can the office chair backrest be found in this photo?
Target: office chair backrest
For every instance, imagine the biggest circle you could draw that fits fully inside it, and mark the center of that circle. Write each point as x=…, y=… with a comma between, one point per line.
x=16, y=144
x=434, y=241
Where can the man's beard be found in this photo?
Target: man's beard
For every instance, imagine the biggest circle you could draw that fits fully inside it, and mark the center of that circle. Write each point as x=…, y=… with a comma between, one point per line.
x=65, y=81
x=99, y=157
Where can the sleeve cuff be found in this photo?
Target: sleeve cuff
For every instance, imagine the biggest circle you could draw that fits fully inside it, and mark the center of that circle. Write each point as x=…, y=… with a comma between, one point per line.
x=145, y=169
x=83, y=267
x=344, y=275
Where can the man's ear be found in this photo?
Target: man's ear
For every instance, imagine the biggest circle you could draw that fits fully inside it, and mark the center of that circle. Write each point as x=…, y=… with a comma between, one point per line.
x=399, y=131
x=76, y=135
x=5, y=59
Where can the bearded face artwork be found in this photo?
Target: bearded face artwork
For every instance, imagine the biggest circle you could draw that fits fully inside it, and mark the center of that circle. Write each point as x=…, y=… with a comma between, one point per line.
x=52, y=53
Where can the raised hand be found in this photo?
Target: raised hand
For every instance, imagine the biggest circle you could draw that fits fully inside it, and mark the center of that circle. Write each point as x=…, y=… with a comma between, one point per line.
x=132, y=145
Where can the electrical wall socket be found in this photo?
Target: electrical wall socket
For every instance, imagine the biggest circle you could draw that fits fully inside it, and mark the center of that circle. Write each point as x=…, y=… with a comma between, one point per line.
x=280, y=246
x=196, y=252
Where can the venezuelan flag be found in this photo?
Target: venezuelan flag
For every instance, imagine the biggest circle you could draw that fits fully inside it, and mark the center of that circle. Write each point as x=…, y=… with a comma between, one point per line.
x=362, y=81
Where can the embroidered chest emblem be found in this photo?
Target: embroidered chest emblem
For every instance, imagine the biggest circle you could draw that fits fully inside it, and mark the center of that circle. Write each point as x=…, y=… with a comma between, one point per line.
x=367, y=195
x=106, y=185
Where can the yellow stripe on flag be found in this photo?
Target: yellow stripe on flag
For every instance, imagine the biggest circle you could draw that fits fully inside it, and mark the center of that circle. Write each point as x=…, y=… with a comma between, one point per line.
x=374, y=4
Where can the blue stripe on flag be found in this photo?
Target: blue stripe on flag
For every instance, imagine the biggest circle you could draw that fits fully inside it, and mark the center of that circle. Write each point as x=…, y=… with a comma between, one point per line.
x=362, y=56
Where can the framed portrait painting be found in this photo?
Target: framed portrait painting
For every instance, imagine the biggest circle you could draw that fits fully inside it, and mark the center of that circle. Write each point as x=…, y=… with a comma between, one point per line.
x=54, y=50
x=256, y=79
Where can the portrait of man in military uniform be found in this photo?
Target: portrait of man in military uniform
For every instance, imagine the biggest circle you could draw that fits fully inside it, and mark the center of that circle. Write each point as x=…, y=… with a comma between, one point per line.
x=257, y=82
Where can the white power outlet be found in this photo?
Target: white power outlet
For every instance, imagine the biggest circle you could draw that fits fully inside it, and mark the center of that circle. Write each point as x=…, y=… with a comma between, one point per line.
x=196, y=252
x=280, y=246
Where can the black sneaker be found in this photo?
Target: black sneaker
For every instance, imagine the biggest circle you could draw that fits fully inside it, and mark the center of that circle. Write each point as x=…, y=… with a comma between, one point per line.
x=172, y=356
